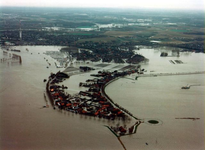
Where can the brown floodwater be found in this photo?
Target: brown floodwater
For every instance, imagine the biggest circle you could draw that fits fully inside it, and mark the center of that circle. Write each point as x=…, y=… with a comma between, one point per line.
x=24, y=124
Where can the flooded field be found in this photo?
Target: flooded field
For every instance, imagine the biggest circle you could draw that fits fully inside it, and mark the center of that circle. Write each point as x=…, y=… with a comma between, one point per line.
x=25, y=124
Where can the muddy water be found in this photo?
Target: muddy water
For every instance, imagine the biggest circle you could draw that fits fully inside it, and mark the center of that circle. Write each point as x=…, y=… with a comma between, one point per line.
x=25, y=125
x=162, y=98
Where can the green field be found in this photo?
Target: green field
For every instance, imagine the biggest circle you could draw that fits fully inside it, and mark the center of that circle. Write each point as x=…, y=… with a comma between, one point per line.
x=80, y=33
x=100, y=39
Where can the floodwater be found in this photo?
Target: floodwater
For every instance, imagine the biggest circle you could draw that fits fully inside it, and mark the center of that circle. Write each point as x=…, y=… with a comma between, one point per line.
x=24, y=124
x=162, y=98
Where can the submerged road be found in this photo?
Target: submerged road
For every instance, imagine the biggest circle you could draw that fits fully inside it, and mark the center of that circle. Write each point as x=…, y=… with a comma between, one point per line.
x=170, y=74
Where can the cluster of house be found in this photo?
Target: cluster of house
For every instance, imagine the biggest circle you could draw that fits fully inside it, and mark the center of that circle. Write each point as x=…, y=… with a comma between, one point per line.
x=92, y=102
x=123, y=130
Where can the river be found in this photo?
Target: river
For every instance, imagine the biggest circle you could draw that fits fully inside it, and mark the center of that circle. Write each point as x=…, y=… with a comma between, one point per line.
x=24, y=124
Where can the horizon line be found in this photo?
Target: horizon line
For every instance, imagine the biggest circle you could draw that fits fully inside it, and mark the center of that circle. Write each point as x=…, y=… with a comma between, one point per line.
x=103, y=7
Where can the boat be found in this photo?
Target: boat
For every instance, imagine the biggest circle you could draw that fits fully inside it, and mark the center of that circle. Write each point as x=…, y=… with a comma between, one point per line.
x=186, y=87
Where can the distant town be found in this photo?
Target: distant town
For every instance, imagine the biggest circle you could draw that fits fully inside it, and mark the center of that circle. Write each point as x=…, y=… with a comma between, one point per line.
x=105, y=32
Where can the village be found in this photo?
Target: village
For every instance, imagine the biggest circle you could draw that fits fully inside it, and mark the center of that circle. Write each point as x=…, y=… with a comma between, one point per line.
x=94, y=101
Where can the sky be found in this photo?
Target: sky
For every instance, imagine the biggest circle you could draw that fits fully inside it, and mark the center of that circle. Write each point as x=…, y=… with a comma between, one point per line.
x=164, y=4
